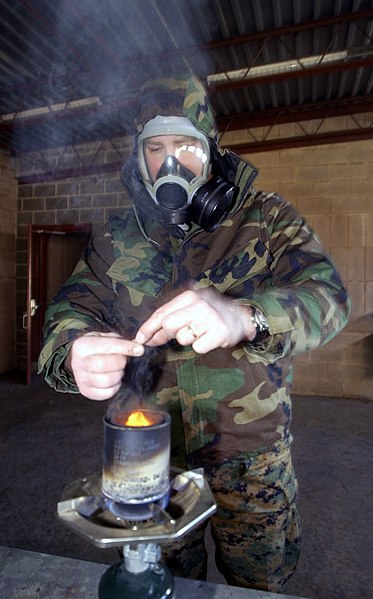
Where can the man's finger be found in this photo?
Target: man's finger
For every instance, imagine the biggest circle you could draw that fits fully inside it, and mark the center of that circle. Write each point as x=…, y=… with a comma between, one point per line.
x=107, y=344
x=169, y=312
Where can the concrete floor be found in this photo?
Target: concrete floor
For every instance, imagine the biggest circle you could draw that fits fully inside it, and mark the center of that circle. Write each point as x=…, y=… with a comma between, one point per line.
x=48, y=439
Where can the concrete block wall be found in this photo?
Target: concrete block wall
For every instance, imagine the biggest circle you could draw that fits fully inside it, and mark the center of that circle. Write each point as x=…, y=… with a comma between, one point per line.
x=8, y=216
x=332, y=187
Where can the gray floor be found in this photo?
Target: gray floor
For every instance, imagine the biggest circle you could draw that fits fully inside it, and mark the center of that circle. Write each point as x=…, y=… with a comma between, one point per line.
x=48, y=439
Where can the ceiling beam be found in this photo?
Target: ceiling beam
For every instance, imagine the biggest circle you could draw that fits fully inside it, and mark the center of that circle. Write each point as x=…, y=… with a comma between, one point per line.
x=331, y=137
x=71, y=173
x=291, y=114
x=280, y=115
x=296, y=28
x=321, y=69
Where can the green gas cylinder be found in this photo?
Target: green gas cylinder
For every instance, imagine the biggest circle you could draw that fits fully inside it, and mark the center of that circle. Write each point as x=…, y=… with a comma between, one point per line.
x=137, y=576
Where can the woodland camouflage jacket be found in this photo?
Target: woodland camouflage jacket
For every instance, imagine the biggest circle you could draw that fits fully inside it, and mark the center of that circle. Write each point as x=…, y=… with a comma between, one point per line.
x=229, y=401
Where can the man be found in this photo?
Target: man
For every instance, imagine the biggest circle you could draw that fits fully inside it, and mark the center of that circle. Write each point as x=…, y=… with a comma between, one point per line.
x=229, y=284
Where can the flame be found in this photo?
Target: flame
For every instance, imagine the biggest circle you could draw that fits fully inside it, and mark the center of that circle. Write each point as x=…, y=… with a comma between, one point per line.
x=138, y=418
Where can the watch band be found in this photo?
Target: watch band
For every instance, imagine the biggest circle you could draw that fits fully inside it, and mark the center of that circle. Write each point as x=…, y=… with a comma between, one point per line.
x=261, y=326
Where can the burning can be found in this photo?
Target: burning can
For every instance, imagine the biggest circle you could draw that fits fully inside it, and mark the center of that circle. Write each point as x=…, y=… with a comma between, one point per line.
x=136, y=458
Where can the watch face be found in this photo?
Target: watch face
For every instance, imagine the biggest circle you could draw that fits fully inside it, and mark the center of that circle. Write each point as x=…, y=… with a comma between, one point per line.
x=262, y=326
x=262, y=322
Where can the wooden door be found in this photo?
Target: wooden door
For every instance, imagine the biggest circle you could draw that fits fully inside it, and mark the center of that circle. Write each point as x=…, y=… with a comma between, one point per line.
x=53, y=252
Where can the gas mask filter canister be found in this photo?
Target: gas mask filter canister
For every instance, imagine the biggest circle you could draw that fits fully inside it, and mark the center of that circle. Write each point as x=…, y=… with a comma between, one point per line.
x=174, y=163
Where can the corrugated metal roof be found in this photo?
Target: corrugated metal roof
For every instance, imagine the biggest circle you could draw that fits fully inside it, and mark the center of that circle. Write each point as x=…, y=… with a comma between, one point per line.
x=81, y=63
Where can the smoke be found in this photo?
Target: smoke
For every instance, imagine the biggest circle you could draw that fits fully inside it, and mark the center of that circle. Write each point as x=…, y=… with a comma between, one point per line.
x=101, y=53
x=141, y=373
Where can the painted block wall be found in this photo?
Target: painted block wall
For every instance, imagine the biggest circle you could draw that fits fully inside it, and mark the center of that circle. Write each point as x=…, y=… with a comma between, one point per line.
x=332, y=187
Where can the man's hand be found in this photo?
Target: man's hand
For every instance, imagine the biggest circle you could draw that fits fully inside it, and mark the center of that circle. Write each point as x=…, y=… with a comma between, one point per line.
x=98, y=360
x=204, y=319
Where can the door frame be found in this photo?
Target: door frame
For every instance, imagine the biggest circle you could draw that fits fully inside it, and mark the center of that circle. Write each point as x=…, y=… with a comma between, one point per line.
x=37, y=261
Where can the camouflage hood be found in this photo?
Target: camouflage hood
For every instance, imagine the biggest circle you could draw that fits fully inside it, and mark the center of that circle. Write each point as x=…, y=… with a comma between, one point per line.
x=186, y=98
x=176, y=97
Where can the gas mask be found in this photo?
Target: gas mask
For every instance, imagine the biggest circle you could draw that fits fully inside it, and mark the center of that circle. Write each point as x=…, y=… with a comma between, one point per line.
x=174, y=163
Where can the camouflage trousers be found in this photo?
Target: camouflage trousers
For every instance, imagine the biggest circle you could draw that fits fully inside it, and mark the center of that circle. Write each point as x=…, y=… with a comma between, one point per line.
x=255, y=528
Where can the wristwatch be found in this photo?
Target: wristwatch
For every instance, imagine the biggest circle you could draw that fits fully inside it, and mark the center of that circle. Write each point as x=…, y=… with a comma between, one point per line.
x=261, y=325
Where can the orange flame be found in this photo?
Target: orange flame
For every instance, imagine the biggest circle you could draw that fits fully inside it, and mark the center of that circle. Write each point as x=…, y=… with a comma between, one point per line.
x=138, y=418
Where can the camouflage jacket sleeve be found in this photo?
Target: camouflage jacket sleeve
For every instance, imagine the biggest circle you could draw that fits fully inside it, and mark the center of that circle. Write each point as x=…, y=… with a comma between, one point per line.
x=302, y=295
x=83, y=304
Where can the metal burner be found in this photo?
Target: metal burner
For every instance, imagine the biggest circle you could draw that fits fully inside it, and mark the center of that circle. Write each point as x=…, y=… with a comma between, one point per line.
x=84, y=509
x=138, y=511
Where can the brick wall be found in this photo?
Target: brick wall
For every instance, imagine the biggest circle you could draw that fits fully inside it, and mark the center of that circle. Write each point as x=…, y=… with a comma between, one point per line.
x=8, y=215
x=330, y=185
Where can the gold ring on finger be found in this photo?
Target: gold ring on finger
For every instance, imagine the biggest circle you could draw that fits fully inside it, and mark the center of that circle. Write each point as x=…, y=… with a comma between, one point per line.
x=192, y=333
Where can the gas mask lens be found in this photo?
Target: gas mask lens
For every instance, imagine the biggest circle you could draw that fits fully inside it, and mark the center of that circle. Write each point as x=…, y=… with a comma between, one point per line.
x=174, y=155
x=174, y=160
x=172, y=167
